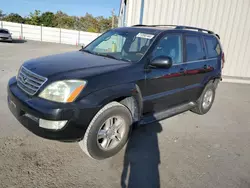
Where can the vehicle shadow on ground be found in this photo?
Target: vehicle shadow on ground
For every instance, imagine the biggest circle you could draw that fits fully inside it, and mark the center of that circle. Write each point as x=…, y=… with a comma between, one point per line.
x=15, y=41
x=19, y=41
x=142, y=158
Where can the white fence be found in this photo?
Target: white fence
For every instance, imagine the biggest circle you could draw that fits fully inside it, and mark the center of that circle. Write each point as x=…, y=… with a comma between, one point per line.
x=48, y=34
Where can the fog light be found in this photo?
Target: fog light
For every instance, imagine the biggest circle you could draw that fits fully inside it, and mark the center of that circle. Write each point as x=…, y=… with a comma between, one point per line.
x=55, y=125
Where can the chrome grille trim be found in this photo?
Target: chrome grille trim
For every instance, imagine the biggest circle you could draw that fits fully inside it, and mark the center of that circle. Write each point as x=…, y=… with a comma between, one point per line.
x=29, y=81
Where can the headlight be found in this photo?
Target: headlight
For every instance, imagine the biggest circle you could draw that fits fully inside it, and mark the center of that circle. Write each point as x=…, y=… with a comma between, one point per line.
x=63, y=91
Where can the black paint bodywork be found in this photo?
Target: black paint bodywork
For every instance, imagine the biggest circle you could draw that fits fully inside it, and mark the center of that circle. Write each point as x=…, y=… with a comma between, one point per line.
x=155, y=89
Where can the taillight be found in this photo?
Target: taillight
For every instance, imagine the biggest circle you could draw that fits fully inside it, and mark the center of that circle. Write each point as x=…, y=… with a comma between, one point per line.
x=222, y=60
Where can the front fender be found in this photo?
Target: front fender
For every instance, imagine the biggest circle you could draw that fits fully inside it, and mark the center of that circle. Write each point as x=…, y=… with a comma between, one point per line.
x=104, y=96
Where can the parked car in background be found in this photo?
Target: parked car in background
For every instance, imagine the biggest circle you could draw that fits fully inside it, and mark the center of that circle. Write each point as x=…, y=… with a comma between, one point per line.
x=5, y=35
x=127, y=76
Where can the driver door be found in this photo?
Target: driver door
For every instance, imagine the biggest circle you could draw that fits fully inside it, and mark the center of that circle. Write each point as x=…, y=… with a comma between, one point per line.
x=165, y=88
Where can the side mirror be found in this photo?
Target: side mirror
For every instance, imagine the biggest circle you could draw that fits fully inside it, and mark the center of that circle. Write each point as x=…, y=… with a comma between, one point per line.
x=162, y=62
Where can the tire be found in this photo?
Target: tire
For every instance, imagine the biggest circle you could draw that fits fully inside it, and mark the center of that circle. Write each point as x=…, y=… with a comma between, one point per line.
x=200, y=107
x=92, y=145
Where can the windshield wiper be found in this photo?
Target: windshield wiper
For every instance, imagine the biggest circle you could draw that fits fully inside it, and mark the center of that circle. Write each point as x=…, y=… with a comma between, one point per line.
x=87, y=51
x=100, y=54
x=125, y=59
x=106, y=55
x=112, y=57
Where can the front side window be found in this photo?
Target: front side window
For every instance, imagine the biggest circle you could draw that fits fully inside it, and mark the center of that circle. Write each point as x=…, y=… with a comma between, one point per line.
x=171, y=46
x=194, y=48
x=122, y=45
x=213, y=47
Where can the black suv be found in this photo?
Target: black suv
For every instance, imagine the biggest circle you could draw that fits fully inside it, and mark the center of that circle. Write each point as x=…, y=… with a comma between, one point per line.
x=127, y=76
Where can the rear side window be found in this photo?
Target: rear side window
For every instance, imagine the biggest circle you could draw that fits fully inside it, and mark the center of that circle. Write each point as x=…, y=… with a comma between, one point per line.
x=213, y=47
x=194, y=48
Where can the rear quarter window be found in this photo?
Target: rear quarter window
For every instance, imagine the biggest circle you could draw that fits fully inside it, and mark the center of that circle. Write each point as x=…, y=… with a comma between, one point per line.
x=213, y=47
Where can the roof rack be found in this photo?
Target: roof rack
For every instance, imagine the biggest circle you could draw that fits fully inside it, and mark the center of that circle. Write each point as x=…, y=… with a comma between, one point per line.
x=176, y=27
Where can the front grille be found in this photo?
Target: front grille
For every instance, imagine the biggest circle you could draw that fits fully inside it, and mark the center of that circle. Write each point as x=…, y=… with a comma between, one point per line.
x=29, y=82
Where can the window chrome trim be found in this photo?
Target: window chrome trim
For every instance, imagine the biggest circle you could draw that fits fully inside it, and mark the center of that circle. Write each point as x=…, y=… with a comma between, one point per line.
x=210, y=59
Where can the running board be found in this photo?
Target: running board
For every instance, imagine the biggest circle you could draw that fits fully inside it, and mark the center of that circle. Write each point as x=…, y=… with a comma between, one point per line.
x=167, y=113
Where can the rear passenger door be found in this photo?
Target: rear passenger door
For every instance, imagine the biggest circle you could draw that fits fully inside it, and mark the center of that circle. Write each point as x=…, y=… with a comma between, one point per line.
x=197, y=65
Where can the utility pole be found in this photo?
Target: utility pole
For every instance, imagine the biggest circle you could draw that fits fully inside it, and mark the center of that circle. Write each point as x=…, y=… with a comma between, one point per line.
x=113, y=18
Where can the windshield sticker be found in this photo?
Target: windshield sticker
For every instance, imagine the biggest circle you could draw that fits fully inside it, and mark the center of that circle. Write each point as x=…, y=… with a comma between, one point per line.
x=145, y=35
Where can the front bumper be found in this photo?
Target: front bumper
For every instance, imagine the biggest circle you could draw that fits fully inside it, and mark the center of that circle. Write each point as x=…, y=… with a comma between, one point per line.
x=8, y=39
x=24, y=107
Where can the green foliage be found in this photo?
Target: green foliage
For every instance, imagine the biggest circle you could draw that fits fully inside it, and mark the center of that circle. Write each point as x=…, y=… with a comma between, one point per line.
x=62, y=20
x=1, y=14
x=91, y=29
x=105, y=23
x=47, y=19
x=34, y=18
x=14, y=18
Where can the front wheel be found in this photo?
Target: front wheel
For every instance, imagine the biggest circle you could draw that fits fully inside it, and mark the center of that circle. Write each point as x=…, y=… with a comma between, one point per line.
x=206, y=100
x=108, y=131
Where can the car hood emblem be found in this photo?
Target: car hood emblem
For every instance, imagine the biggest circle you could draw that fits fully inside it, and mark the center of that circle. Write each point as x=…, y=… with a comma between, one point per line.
x=24, y=79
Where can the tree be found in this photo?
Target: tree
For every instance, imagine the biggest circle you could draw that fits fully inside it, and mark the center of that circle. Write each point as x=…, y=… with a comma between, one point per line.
x=1, y=14
x=62, y=20
x=14, y=18
x=34, y=18
x=47, y=19
x=89, y=23
x=104, y=23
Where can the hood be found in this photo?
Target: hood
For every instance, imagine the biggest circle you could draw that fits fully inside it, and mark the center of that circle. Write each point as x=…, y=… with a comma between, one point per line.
x=67, y=63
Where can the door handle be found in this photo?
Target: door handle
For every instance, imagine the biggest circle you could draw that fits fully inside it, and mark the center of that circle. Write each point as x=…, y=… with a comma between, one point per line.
x=206, y=66
x=182, y=70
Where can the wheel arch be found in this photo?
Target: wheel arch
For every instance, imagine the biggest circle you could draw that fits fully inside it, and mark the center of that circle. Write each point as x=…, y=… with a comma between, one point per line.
x=127, y=94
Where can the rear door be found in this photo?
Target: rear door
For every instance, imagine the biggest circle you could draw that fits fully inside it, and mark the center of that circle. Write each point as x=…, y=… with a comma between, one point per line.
x=197, y=65
x=202, y=56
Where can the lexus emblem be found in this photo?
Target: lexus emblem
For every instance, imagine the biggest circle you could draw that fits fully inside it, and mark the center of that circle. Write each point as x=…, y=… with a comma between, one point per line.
x=24, y=79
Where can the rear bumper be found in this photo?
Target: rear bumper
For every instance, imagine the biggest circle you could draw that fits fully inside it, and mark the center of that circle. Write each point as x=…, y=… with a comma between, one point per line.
x=23, y=107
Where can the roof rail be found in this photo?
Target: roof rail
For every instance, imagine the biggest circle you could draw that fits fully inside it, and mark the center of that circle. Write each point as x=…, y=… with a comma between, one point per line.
x=194, y=28
x=177, y=27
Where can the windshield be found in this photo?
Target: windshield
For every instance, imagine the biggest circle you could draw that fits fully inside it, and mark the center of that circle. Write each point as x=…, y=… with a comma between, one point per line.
x=122, y=45
x=4, y=31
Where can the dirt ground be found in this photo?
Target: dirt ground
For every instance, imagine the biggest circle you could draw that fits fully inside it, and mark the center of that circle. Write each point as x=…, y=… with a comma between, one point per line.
x=188, y=150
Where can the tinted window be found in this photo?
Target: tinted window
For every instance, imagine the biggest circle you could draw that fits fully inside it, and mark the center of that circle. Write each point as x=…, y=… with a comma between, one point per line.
x=194, y=48
x=139, y=45
x=213, y=47
x=112, y=43
x=127, y=45
x=169, y=46
x=4, y=31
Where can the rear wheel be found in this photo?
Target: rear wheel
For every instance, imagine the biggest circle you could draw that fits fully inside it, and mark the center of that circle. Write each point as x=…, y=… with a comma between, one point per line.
x=108, y=131
x=206, y=99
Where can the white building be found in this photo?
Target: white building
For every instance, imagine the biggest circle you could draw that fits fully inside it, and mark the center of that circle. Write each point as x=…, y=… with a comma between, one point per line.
x=228, y=18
